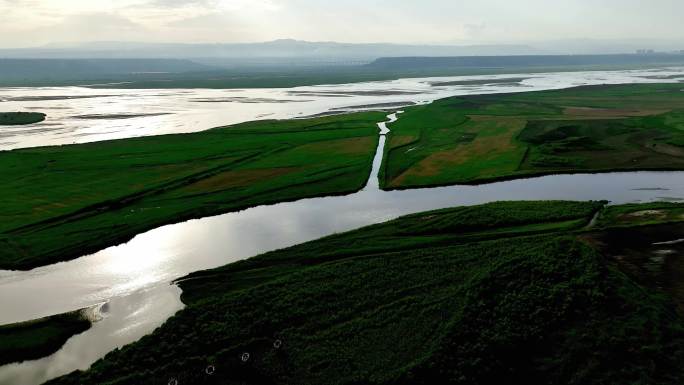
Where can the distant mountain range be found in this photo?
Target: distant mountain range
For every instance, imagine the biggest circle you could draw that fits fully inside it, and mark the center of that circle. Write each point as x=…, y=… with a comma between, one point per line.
x=267, y=52
x=295, y=51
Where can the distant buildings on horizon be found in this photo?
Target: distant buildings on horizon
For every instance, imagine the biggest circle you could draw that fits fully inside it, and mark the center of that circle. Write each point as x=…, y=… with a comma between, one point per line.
x=652, y=52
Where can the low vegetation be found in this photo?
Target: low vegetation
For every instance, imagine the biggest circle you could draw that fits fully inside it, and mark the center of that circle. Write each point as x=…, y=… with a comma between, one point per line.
x=65, y=201
x=475, y=139
x=20, y=118
x=520, y=297
x=641, y=214
x=39, y=338
x=646, y=241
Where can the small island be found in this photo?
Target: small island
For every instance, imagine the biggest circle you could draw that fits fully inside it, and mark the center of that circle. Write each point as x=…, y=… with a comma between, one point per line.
x=40, y=338
x=20, y=118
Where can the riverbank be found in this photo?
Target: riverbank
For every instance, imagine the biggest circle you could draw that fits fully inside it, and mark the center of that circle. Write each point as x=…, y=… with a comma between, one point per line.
x=118, y=274
x=67, y=201
x=489, y=294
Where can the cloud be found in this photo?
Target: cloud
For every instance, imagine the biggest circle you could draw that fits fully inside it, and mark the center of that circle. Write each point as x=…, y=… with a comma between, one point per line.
x=211, y=5
x=207, y=21
x=18, y=3
x=179, y=3
x=90, y=27
x=34, y=22
x=217, y=27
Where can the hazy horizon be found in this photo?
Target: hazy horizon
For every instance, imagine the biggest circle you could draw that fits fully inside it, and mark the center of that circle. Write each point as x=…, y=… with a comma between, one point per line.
x=114, y=42
x=35, y=23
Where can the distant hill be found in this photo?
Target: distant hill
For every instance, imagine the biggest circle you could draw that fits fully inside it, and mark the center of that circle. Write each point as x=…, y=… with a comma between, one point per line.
x=297, y=52
x=267, y=52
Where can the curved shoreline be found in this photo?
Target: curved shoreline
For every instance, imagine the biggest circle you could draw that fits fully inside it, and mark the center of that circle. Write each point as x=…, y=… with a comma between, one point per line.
x=369, y=196
x=88, y=336
x=42, y=337
x=33, y=240
x=369, y=190
x=94, y=312
x=141, y=313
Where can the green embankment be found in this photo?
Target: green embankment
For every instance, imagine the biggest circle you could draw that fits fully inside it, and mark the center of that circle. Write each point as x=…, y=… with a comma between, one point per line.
x=476, y=139
x=20, y=118
x=502, y=293
x=35, y=339
x=65, y=201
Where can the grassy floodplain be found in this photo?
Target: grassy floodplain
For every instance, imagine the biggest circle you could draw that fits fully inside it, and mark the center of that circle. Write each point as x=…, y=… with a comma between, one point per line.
x=39, y=338
x=509, y=292
x=20, y=118
x=65, y=201
x=476, y=139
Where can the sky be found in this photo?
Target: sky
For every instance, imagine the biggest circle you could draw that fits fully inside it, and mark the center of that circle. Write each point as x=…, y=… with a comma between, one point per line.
x=27, y=23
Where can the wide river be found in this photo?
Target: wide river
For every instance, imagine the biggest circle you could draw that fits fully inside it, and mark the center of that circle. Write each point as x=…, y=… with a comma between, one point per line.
x=78, y=114
x=129, y=284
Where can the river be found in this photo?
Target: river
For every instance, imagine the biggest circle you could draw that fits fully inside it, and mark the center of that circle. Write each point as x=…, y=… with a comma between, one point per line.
x=81, y=114
x=130, y=283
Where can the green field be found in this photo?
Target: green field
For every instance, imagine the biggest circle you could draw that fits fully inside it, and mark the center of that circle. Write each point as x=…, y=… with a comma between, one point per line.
x=476, y=139
x=19, y=118
x=39, y=338
x=509, y=292
x=65, y=201
x=641, y=214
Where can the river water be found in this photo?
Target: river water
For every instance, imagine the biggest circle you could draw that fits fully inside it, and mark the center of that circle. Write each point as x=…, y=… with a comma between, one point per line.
x=78, y=114
x=131, y=282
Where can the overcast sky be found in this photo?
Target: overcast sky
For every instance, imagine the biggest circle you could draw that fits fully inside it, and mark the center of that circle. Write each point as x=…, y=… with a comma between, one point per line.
x=37, y=22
